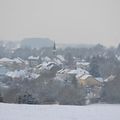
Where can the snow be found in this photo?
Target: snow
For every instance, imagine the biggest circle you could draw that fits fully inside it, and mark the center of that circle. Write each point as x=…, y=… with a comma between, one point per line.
x=46, y=65
x=73, y=72
x=33, y=58
x=118, y=57
x=56, y=112
x=3, y=85
x=16, y=74
x=22, y=74
x=85, y=76
x=78, y=72
x=61, y=57
x=83, y=63
x=33, y=76
x=3, y=70
x=6, y=60
x=110, y=78
x=63, y=71
x=17, y=60
x=47, y=59
x=99, y=79
x=57, y=61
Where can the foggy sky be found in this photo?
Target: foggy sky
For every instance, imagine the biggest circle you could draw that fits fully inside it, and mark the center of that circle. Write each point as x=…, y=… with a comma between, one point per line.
x=66, y=21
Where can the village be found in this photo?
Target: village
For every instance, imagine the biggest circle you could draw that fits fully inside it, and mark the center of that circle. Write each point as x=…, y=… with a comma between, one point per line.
x=54, y=68
x=59, y=59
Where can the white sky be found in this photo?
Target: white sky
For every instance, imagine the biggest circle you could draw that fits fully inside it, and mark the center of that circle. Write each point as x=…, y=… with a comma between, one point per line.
x=66, y=21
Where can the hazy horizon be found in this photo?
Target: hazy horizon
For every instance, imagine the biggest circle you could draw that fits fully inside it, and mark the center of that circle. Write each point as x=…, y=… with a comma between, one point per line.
x=65, y=21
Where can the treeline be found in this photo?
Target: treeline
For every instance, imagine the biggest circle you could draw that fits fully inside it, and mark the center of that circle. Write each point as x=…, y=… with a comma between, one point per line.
x=44, y=91
x=50, y=91
x=82, y=53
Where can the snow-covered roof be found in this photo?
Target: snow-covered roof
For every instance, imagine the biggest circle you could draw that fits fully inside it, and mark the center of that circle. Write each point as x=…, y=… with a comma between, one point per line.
x=85, y=76
x=47, y=59
x=83, y=63
x=99, y=79
x=33, y=58
x=62, y=71
x=83, y=60
x=73, y=72
x=46, y=65
x=61, y=57
x=17, y=60
x=16, y=74
x=22, y=74
x=3, y=85
x=78, y=71
x=6, y=60
x=110, y=78
x=3, y=70
x=118, y=57
x=39, y=66
x=57, y=61
x=20, y=59
x=34, y=75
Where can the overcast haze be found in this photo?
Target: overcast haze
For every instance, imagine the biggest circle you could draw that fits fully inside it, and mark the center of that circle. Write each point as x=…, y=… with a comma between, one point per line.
x=66, y=21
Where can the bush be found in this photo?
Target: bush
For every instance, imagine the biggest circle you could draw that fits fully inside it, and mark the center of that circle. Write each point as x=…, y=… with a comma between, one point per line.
x=27, y=99
x=111, y=91
x=1, y=98
x=72, y=96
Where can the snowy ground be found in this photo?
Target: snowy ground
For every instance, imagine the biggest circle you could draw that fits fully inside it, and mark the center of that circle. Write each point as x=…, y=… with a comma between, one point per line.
x=56, y=112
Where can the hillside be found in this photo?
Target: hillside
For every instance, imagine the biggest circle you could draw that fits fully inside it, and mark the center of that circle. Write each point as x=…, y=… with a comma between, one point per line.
x=56, y=112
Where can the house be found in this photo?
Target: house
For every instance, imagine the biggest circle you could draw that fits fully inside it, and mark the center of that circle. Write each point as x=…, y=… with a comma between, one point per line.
x=16, y=75
x=110, y=78
x=78, y=72
x=3, y=70
x=88, y=80
x=69, y=75
x=46, y=59
x=80, y=77
x=21, y=75
x=6, y=61
x=33, y=61
x=15, y=63
x=93, y=93
x=93, y=85
x=82, y=65
x=62, y=74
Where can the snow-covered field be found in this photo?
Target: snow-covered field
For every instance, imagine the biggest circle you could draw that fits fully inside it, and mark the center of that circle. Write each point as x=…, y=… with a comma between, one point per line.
x=56, y=112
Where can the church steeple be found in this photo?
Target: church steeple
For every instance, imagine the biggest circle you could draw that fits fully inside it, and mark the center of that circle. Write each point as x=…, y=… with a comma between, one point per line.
x=54, y=48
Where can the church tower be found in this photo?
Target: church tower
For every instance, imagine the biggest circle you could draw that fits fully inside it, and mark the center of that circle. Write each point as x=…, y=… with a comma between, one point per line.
x=54, y=49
